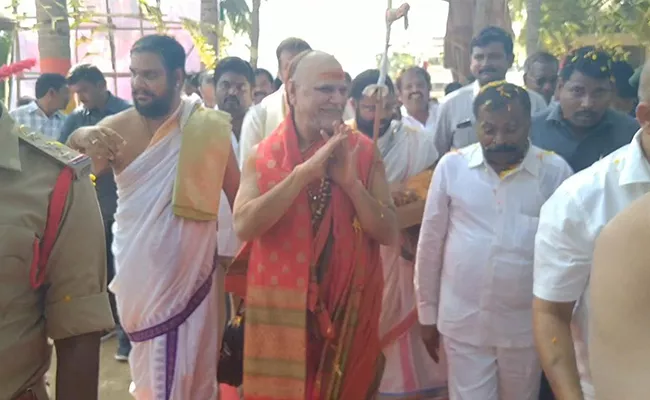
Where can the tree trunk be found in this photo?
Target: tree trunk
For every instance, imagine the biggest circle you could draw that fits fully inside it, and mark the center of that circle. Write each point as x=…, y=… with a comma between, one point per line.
x=53, y=36
x=255, y=32
x=481, y=15
x=466, y=19
x=533, y=25
x=210, y=23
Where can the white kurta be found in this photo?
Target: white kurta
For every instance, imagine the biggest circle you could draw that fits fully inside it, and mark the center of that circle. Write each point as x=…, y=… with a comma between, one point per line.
x=430, y=125
x=260, y=121
x=161, y=262
x=474, y=264
x=229, y=244
x=569, y=224
x=409, y=369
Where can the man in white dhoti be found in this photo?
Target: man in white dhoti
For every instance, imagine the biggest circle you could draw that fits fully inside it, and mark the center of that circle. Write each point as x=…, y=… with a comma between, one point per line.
x=171, y=158
x=474, y=264
x=263, y=118
x=409, y=371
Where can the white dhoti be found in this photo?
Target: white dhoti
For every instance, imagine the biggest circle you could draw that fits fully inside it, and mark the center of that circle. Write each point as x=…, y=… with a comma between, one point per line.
x=492, y=373
x=165, y=284
x=409, y=372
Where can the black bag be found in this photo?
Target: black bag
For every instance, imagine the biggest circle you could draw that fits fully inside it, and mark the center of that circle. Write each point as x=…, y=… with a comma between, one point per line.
x=231, y=359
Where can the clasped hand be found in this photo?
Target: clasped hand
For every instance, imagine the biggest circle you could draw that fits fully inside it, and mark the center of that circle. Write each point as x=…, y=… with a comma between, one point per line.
x=335, y=159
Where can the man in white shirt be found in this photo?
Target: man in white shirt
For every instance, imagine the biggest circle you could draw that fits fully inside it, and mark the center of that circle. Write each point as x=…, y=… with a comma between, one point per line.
x=234, y=80
x=263, y=118
x=492, y=56
x=414, y=85
x=474, y=264
x=569, y=224
x=44, y=114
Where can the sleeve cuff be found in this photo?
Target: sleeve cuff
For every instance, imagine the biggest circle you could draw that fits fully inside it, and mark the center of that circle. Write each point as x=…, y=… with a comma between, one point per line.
x=560, y=296
x=78, y=316
x=427, y=315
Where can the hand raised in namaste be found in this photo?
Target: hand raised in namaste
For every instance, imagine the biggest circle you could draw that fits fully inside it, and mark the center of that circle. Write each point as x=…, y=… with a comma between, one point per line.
x=343, y=166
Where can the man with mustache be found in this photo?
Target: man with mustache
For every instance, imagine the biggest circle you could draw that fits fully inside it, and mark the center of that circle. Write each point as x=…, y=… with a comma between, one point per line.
x=166, y=282
x=234, y=80
x=474, y=264
x=569, y=225
x=414, y=85
x=492, y=56
x=581, y=127
x=266, y=116
x=406, y=152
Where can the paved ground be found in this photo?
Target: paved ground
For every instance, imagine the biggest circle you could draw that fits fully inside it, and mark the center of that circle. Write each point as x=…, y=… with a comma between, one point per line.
x=114, y=377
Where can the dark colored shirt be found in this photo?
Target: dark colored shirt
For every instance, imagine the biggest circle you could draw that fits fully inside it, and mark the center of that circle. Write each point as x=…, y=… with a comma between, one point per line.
x=105, y=184
x=551, y=131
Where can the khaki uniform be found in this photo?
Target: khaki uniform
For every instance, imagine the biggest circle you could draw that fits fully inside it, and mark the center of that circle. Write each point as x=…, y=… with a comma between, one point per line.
x=72, y=300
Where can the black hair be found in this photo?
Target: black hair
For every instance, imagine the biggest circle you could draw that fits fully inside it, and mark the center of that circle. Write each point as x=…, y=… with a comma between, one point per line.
x=293, y=45
x=493, y=34
x=277, y=83
x=193, y=79
x=622, y=72
x=540, y=57
x=236, y=65
x=365, y=79
x=498, y=95
x=85, y=72
x=348, y=78
x=589, y=61
x=265, y=73
x=418, y=70
x=453, y=86
x=47, y=82
x=170, y=51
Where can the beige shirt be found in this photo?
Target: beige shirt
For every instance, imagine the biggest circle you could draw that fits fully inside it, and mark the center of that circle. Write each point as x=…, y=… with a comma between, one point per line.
x=73, y=300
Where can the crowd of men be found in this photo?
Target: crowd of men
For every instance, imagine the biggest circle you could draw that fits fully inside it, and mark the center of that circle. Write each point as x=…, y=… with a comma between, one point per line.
x=301, y=201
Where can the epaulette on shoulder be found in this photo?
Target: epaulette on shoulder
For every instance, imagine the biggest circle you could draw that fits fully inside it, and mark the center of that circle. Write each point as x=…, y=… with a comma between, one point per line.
x=80, y=164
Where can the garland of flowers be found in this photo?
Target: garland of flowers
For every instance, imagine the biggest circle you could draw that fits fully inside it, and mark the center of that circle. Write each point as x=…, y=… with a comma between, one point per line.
x=16, y=68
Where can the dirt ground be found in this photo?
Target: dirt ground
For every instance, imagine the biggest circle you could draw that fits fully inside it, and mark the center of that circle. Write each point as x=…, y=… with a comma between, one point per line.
x=114, y=377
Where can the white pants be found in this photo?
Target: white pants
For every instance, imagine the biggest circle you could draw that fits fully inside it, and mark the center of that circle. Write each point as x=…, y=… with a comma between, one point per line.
x=491, y=373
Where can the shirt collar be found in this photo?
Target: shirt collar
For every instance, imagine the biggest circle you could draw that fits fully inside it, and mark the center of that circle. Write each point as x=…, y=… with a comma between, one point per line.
x=9, y=142
x=34, y=108
x=530, y=162
x=636, y=168
x=475, y=88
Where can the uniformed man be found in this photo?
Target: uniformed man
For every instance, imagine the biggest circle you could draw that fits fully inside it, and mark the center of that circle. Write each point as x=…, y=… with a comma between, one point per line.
x=52, y=268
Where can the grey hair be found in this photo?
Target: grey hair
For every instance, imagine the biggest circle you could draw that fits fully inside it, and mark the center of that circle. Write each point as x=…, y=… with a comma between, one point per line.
x=541, y=57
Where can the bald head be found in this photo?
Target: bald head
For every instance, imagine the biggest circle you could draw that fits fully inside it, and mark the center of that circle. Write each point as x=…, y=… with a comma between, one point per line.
x=316, y=91
x=644, y=84
x=311, y=63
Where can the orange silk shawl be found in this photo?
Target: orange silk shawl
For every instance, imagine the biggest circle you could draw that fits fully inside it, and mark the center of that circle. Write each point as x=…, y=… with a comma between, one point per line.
x=279, y=361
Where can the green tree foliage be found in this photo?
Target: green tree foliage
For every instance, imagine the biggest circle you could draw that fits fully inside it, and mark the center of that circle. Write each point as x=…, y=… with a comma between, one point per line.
x=564, y=21
x=397, y=62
